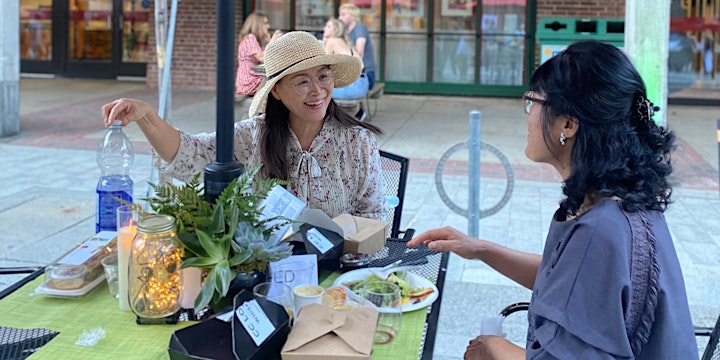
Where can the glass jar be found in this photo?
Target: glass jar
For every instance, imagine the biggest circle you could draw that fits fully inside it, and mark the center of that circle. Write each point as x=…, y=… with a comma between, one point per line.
x=154, y=286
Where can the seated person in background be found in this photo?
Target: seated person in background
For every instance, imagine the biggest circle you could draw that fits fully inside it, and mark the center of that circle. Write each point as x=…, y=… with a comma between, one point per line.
x=329, y=159
x=254, y=36
x=360, y=37
x=608, y=284
x=335, y=41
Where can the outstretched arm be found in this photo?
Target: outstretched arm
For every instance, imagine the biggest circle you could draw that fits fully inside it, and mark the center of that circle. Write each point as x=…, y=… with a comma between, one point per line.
x=488, y=347
x=164, y=138
x=518, y=266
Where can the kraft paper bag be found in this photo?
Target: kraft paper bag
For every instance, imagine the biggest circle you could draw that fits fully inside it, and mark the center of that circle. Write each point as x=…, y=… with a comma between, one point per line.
x=324, y=333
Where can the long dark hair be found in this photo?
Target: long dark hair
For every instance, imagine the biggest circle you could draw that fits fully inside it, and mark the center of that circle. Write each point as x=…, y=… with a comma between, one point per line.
x=618, y=150
x=276, y=134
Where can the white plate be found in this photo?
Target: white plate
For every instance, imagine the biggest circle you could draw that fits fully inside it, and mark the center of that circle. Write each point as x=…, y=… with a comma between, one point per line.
x=414, y=279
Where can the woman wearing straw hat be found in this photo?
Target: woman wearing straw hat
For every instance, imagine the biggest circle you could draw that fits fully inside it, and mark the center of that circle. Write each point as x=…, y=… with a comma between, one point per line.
x=330, y=160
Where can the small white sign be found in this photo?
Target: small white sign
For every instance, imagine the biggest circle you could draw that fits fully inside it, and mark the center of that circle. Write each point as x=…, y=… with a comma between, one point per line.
x=280, y=202
x=319, y=240
x=255, y=322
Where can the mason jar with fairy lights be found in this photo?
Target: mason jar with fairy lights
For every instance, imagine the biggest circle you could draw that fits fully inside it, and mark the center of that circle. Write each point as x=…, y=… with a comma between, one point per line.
x=154, y=286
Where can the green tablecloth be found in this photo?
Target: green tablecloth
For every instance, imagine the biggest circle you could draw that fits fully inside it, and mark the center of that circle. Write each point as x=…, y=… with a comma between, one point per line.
x=126, y=340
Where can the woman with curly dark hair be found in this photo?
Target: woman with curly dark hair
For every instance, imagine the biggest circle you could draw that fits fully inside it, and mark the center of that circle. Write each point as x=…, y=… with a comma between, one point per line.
x=608, y=284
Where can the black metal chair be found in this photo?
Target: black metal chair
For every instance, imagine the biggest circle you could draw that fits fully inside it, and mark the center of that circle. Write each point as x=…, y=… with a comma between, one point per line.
x=395, y=170
x=712, y=349
x=33, y=272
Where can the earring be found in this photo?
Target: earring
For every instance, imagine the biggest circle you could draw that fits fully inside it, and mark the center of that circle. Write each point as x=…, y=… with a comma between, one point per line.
x=562, y=139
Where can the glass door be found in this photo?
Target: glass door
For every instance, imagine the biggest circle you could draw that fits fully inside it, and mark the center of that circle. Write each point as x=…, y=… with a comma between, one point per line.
x=36, y=30
x=135, y=27
x=108, y=38
x=93, y=45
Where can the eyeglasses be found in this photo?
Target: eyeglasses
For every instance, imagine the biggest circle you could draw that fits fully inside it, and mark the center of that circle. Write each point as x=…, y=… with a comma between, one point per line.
x=529, y=100
x=304, y=84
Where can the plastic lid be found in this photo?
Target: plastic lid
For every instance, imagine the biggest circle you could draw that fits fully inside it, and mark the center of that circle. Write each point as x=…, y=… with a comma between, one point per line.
x=62, y=272
x=117, y=123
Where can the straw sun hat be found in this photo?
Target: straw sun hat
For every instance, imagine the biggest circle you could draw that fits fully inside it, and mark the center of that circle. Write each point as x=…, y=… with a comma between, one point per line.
x=297, y=51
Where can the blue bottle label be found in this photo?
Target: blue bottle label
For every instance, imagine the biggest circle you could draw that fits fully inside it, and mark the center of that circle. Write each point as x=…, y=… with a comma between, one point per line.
x=106, y=219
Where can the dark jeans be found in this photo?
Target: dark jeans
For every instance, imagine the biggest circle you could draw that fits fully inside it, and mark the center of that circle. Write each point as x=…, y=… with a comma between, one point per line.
x=371, y=78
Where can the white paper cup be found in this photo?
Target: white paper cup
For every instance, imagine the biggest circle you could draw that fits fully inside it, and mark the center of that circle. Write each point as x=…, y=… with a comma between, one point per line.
x=305, y=295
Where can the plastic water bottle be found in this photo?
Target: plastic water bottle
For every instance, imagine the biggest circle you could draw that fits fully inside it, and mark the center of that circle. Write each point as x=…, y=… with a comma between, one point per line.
x=114, y=157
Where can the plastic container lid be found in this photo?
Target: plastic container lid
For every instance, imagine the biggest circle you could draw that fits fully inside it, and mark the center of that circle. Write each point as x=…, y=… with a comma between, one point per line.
x=67, y=277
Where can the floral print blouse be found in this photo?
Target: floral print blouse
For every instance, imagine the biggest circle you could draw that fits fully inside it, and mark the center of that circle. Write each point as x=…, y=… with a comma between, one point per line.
x=340, y=174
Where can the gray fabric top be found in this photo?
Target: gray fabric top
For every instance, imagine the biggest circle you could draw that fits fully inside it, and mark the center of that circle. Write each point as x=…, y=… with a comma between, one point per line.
x=369, y=54
x=583, y=291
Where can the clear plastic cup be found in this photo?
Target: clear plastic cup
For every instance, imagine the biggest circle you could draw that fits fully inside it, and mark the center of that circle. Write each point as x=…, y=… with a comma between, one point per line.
x=110, y=264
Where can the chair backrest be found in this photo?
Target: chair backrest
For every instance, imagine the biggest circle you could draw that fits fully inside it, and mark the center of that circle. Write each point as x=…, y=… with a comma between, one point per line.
x=712, y=350
x=395, y=171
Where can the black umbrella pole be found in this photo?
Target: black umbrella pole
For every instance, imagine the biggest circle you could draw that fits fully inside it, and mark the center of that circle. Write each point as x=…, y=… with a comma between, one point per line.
x=222, y=172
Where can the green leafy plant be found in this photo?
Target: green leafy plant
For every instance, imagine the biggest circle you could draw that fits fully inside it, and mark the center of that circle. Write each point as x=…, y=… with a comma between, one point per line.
x=226, y=237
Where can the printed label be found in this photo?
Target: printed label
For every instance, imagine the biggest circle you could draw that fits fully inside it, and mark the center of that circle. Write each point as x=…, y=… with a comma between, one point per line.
x=319, y=240
x=255, y=322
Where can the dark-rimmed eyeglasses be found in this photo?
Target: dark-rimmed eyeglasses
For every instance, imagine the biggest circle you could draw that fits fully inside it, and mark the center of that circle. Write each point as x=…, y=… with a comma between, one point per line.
x=304, y=84
x=530, y=99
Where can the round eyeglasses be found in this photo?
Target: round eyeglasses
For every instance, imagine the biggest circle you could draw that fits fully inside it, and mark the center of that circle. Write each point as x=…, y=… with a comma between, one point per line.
x=304, y=84
x=530, y=99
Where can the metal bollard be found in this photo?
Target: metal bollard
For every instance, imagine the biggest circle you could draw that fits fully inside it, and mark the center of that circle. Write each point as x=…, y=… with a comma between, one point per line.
x=473, y=214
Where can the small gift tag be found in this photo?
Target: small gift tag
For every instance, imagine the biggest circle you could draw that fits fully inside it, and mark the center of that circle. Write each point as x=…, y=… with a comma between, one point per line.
x=319, y=240
x=255, y=321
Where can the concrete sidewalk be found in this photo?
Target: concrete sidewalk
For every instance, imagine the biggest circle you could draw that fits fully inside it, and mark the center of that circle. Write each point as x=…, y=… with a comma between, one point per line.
x=47, y=197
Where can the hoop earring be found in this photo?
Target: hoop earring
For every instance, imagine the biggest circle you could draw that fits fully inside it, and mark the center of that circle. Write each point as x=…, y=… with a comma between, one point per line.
x=562, y=139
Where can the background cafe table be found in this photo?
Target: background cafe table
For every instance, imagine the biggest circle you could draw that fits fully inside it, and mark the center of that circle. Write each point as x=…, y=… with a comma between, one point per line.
x=126, y=340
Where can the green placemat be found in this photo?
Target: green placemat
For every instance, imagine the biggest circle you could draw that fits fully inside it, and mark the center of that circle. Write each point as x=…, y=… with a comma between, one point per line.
x=126, y=340
x=123, y=340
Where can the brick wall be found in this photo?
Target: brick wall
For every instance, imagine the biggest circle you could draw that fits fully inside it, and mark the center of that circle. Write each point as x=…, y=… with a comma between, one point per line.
x=194, y=61
x=581, y=8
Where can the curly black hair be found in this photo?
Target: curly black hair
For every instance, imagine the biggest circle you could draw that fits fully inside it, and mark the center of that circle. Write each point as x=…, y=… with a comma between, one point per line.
x=619, y=150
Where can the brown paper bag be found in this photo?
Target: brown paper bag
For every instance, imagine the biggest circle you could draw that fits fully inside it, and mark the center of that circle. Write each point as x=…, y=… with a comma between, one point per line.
x=324, y=333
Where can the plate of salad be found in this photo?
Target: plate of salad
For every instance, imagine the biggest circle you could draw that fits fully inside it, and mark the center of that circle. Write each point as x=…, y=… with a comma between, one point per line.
x=417, y=292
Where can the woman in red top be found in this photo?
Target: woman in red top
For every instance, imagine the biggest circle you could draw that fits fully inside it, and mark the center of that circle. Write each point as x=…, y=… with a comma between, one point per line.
x=254, y=35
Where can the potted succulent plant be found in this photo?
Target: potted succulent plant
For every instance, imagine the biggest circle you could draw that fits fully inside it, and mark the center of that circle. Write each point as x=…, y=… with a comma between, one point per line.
x=228, y=239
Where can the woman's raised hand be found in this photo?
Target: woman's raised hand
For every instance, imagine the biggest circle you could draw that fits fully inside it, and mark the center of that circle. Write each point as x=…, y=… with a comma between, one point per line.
x=276, y=35
x=126, y=110
x=448, y=239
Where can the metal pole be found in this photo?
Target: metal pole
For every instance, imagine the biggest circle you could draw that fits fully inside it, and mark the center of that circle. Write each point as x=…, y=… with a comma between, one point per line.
x=474, y=174
x=646, y=43
x=164, y=38
x=10, y=69
x=220, y=173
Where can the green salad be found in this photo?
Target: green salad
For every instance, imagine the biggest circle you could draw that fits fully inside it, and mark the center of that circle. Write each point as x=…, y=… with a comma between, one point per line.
x=399, y=278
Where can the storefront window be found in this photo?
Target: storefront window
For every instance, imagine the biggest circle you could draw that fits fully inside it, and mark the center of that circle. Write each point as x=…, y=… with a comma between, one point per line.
x=311, y=15
x=277, y=12
x=36, y=30
x=136, y=14
x=454, y=42
x=90, y=29
x=503, y=42
x=406, y=23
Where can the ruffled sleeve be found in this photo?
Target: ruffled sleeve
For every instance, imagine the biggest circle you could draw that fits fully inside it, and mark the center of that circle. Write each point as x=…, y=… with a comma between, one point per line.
x=197, y=151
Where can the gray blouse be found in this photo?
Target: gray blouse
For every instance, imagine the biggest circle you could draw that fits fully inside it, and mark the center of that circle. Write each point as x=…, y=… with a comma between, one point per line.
x=582, y=292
